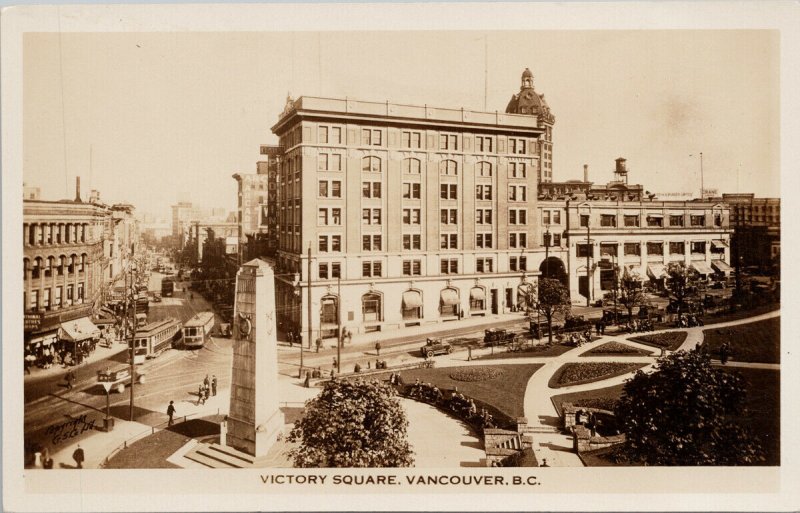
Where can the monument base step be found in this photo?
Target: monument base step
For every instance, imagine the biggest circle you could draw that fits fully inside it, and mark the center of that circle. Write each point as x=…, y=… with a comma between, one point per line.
x=219, y=456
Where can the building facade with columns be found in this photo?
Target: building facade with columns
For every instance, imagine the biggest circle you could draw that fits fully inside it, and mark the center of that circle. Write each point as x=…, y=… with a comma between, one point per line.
x=412, y=215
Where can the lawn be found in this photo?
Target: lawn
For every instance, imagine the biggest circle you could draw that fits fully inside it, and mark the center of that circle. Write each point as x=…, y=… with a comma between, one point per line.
x=741, y=314
x=589, y=372
x=763, y=409
x=671, y=340
x=616, y=349
x=533, y=351
x=754, y=342
x=598, y=398
x=505, y=391
x=153, y=451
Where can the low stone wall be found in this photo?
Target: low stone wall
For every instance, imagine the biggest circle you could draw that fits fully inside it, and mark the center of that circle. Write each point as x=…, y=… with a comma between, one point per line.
x=583, y=441
x=569, y=411
x=501, y=445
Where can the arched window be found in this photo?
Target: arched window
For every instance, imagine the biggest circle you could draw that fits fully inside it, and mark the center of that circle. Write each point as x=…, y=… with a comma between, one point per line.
x=371, y=165
x=484, y=169
x=73, y=261
x=371, y=307
x=62, y=262
x=477, y=299
x=448, y=167
x=448, y=302
x=37, y=267
x=412, y=305
x=84, y=261
x=411, y=166
x=48, y=266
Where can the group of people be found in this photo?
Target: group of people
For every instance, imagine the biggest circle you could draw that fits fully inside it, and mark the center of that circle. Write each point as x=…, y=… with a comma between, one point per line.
x=395, y=379
x=578, y=339
x=206, y=387
x=639, y=326
x=587, y=419
x=457, y=403
x=689, y=321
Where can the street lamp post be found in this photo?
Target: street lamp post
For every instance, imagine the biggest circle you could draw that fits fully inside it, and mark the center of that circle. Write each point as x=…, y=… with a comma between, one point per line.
x=298, y=293
x=547, y=239
x=133, y=334
x=339, y=337
x=588, y=258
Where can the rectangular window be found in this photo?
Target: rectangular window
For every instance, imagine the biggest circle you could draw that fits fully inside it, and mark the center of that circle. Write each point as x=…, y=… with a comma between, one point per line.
x=412, y=190
x=518, y=240
x=370, y=137
x=584, y=250
x=556, y=217
x=483, y=192
x=608, y=249
x=448, y=142
x=676, y=248
x=80, y=293
x=377, y=269
x=322, y=162
x=323, y=244
x=484, y=265
x=483, y=216
x=449, y=216
x=517, y=170
x=57, y=297
x=517, y=146
x=655, y=221
x=483, y=240
x=323, y=189
x=336, y=216
x=448, y=191
x=412, y=139
x=483, y=144
x=371, y=242
x=336, y=135
x=371, y=189
x=698, y=220
x=412, y=267
x=631, y=221
x=632, y=249
x=34, y=300
x=655, y=248
x=336, y=189
x=323, y=271
x=336, y=242
x=366, y=269
x=412, y=241
x=608, y=220
x=518, y=216
x=336, y=270
x=323, y=135
x=545, y=217
x=449, y=241
x=411, y=215
x=518, y=263
x=322, y=218
x=718, y=219
x=676, y=220
x=556, y=239
x=335, y=162
x=584, y=220
x=449, y=266
x=698, y=248
x=411, y=166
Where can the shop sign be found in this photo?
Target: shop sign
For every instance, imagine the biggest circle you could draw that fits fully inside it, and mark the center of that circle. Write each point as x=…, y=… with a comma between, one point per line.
x=33, y=321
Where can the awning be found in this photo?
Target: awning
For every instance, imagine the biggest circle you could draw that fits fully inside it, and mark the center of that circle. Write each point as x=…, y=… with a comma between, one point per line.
x=721, y=266
x=654, y=215
x=411, y=299
x=477, y=294
x=449, y=297
x=719, y=244
x=78, y=330
x=656, y=271
x=702, y=267
x=45, y=340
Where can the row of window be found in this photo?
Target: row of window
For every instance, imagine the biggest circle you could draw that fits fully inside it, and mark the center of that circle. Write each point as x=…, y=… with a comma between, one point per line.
x=46, y=267
x=653, y=221
x=653, y=248
x=413, y=267
x=40, y=234
x=413, y=241
x=57, y=297
x=371, y=164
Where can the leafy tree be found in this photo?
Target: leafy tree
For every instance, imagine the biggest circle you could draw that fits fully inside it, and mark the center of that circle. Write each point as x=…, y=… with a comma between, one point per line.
x=681, y=415
x=549, y=298
x=352, y=424
x=631, y=294
x=682, y=283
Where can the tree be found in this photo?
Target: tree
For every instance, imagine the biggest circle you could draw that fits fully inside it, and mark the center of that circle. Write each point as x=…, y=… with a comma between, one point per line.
x=352, y=424
x=681, y=415
x=631, y=293
x=682, y=284
x=549, y=298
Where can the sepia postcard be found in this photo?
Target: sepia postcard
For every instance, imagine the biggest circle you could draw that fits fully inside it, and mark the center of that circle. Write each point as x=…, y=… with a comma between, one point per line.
x=410, y=256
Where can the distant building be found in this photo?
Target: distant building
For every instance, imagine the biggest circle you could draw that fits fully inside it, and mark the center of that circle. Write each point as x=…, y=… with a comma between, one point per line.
x=757, y=228
x=30, y=192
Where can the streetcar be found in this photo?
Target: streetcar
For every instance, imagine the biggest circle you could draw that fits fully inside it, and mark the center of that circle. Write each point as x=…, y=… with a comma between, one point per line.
x=167, y=287
x=154, y=338
x=197, y=330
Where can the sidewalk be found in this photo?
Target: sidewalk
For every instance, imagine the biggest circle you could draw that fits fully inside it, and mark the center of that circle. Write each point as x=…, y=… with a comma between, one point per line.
x=100, y=353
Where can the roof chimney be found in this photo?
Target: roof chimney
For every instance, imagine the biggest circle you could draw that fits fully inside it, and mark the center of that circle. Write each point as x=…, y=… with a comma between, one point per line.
x=586, y=173
x=78, y=189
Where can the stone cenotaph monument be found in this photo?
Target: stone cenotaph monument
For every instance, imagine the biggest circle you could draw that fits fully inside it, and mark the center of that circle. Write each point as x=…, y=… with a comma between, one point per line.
x=254, y=419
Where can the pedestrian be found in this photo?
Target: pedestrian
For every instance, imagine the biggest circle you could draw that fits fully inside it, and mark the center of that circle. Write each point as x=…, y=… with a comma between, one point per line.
x=378, y=348
x=170, y=412
x=334, y=362
x=307, y=381
x=205, y=394
x=205, y=381
x=78, y=456
x=214, y=384
x=469, y=353
x=290, y=336
x=199, y=394
x=723, y=353
x=47, y=461
x=70, y=378
x=597, y=328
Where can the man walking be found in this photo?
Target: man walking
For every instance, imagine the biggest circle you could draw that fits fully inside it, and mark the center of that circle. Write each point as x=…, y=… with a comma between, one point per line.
x=170, y=412
x=214, y=384
x=78, y=456
x=70, y=377
x=378, y=348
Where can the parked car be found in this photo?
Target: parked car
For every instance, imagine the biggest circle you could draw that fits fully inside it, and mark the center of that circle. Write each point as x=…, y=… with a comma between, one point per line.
x=434, y=346
x=119, y=378
x=497, y=336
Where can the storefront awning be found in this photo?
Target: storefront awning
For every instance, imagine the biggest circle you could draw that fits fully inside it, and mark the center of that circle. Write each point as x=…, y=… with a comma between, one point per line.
x=721, y=266
x=411, y=299
x=719, y=244
x=702, y=267
x=44, y=340
x=656, y=271
x=78, y=330
x=477, y=294
x=654, y=215
x=449, y=297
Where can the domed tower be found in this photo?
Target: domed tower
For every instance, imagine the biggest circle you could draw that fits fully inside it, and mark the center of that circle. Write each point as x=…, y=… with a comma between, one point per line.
x=529, y=102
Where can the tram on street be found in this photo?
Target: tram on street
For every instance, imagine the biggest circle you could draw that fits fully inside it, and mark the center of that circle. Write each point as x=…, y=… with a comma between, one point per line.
x=154, y=338
x=167, y=287
x=197, y=330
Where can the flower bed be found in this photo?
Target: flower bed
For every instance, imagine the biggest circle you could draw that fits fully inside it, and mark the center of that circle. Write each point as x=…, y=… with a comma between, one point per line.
x=671, y=340
x=616, y=349
x=589, y=372
x=476, y=373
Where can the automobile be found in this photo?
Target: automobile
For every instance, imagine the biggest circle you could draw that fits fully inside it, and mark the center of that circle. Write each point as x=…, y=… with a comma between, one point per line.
x=119, y=377
x=497, y=336
x=434, y=346
x=156, y=297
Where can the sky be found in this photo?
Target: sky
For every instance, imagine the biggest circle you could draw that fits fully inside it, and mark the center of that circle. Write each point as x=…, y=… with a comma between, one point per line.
x=156, y=118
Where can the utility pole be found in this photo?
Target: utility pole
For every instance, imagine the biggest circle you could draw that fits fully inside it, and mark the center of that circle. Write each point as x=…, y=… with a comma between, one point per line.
x=339, y=323
x=588, y=253
x=133, y=331
x=308, y=284
x=547, y=252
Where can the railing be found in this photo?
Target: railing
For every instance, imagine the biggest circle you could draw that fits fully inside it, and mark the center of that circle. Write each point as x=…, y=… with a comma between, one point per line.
x=143, y=434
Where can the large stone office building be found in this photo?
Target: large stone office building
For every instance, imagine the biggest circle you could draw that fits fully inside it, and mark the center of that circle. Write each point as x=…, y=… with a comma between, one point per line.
x=425, y=214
